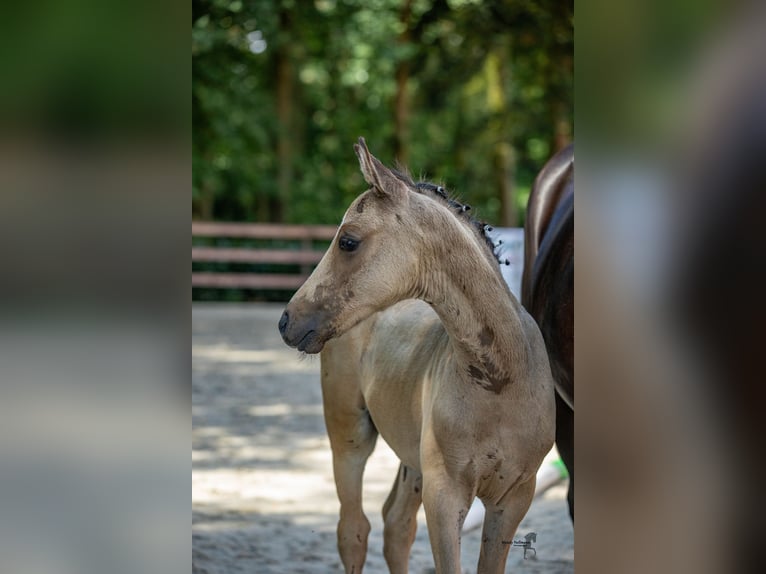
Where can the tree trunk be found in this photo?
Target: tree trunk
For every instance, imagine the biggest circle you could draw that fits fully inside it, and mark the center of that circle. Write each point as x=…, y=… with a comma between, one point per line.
x=206, y=202
x=401, y=99
x=562, y=113
x=279, y=205
x=557, y=75
x=563, y=134
x=503, y=169
x=502, y=153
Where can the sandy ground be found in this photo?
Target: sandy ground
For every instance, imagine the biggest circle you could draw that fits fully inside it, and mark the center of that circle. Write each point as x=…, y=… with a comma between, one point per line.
x=263, y=496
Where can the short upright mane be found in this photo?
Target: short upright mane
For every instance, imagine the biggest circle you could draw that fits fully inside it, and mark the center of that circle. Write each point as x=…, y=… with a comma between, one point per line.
x=460, y=210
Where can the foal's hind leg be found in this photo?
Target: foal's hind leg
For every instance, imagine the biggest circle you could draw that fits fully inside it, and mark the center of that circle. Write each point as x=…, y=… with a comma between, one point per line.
x=352, y=437
x=500, y=523
x=400, y=518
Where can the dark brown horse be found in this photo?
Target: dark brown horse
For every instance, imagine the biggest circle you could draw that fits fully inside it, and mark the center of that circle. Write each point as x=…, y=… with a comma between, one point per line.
x=547, y=288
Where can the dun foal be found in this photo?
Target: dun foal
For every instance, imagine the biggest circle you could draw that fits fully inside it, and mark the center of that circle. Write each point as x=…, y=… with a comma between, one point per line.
x=422, y=342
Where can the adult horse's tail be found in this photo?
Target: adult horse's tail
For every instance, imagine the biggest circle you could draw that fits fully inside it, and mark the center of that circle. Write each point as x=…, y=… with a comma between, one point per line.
x=547, y=287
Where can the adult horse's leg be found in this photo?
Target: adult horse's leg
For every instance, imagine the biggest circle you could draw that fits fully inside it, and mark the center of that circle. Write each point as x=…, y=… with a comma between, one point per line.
x=565, y=444
x=500, y=523
x=400, y=518
x=352, y=438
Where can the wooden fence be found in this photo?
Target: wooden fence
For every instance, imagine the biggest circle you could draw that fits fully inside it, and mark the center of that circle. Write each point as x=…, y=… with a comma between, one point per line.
x=279, y=245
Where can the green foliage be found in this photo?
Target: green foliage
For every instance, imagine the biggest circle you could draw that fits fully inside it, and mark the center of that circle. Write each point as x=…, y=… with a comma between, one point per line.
x=281, y=91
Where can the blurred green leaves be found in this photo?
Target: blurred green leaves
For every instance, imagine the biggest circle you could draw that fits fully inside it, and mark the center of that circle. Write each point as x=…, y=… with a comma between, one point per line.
x=74, y=68
x=281, y=91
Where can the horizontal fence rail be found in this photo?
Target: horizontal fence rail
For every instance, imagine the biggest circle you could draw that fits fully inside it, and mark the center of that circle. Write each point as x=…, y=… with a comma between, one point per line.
x=279, y=245
x=244, y=255
x=262, y=230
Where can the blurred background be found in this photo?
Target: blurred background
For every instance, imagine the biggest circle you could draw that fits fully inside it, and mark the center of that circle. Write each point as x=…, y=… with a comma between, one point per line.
x=96, y=179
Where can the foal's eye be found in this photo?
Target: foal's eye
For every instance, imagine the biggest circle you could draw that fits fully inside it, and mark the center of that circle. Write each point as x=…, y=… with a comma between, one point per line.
x=347, y=243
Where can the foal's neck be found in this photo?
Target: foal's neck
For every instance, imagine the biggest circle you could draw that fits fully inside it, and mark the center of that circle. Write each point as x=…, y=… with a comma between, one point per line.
x=481, y=316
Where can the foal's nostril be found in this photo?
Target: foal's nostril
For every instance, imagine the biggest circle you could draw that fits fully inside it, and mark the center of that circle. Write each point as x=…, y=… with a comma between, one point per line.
x=283, y=322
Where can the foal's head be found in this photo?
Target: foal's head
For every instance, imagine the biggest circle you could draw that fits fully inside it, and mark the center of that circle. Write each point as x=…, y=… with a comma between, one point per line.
x=385, y=245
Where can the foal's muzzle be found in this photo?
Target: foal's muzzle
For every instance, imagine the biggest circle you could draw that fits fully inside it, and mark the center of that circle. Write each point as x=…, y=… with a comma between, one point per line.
x=301, y=334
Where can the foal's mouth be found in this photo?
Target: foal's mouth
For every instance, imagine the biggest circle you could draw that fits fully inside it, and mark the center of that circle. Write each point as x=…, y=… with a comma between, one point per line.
x=310, y=343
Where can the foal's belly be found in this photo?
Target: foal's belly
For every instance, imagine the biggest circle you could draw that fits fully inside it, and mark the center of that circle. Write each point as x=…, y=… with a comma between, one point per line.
x=398, y=426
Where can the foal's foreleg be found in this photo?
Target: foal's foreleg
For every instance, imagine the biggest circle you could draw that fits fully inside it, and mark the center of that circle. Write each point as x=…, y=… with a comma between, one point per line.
x=352, y=436
x=446, y=503
x=400, y=518
x=500, y=523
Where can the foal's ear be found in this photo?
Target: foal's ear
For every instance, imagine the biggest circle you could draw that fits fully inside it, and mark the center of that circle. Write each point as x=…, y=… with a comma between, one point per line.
x=376, y=174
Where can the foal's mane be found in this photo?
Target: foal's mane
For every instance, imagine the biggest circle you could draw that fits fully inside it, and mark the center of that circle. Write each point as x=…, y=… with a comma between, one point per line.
x=459, y=210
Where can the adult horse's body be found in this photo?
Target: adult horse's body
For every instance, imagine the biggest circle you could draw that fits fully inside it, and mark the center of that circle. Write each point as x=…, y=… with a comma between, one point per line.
x=458, y=382
x=547, y=287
